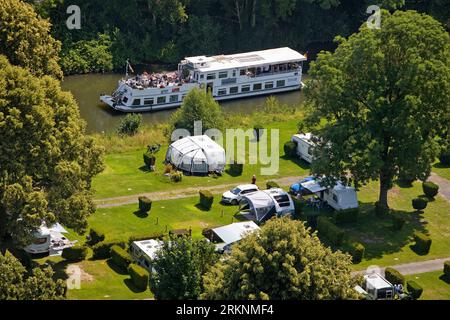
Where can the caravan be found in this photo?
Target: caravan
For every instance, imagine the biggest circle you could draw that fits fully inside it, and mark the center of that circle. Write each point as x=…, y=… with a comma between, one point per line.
x=51, y=240
x=305, y=145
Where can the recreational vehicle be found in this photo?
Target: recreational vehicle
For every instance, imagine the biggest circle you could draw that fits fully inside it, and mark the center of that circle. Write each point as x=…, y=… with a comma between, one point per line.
x=375, y=287
x=144, y=252
x=305, y=145
x=50, y=240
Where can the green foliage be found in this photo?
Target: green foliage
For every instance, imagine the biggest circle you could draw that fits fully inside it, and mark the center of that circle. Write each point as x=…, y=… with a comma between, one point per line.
x=179, y=268
x=120, y=257
x=176, y=176
x=352, y=92
x=430, y=189
x=236, y=169
x=54, y=161
x=149, y=159
x=280, y=263
x=357, y=252
x=397, y=222
x=414, y=289
x=18, y=284
x=422, y=242
x=272, y=184
x=130, y=124
x=102, y=250
x=419, y=203
x=206, y=199
x=95, y=236
x=145, y=204
x=444, y=157
x=298, y=206
x=393, y=276
x=447, y=269
x=346, y=216
x=139, y=276
x=197, y=106
x=290, y=149
x=26, y=41
x=258, y=131
x=75, y=253
x=330, y=231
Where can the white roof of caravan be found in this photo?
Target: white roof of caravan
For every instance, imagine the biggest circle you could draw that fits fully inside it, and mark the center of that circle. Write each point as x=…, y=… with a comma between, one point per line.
x=247, y=59
x=377, y=281
x=235, y=231
x=304, y=136
x=314, y=186
x=149, y=247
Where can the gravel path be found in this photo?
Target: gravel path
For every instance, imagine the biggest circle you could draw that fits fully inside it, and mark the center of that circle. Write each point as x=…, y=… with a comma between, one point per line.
x=444, y=185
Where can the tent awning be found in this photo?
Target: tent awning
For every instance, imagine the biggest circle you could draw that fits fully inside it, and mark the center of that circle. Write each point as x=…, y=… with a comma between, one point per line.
x=313, y=186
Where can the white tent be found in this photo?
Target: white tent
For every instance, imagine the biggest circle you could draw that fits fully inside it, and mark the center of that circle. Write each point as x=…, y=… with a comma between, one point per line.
x=196, y=154
x=235, y=231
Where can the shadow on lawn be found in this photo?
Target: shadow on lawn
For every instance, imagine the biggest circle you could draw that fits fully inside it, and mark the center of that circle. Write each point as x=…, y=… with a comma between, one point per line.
x=300, y=162
x=140, y=214
x=440, y=166
x=445, y=278
x=115, y=268
x=130, y=285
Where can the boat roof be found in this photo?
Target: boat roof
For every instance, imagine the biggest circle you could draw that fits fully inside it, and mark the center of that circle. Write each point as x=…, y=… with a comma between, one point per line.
x=235, y=231
x=247, y=59
x=149, y=247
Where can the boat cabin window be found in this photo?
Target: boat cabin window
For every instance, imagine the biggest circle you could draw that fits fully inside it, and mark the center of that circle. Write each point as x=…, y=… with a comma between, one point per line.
x=183, y=96
x=173, y=98
x=223, y=74
x=234, y=73
x=210, y=76
x=310, y=151
x=245, y=88
x=125, y=99
x=234, y=90
x=136, y=102
x=202, y=76
x=268, y=85
x=257, y=86
x=161, y=100
x=335, y=198
x=149, y=102
x=280, y=83
x=222, y=92
x=40, y=241
x=242, y=72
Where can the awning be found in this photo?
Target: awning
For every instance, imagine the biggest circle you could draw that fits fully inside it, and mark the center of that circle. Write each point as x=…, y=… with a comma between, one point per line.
x=313, y=186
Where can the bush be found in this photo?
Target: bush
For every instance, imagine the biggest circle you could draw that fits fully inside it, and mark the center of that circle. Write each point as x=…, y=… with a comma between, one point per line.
x=419, y=203
x=130, y=124
x=430, y=189
x=75, y=253
x=346, y=216
x=311, y=220
x=95, y=236
x=176, y=176
x=258, y=131
x=206, y=199
x=139, y=276
x=330, y=231
x=120, y=257
x=447, y=269
x=149, y=160
x=423, y=242
x=145, y=204
x=236, y=169
x=357, y=252
x=397, y=222
x=380, y=211
x=290, y=149
x=393, y=276
x=414, y=289
x=102, y=250
x=298, y=205
x=444, y=158
x=168, y=168
x=271, y=184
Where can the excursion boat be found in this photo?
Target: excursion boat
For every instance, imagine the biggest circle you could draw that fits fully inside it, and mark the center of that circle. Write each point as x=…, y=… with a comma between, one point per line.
x=225, y=76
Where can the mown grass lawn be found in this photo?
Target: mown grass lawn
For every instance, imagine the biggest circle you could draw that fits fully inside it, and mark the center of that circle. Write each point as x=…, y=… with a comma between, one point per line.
x=442, y=170
x=434, y=284
x=125, y=174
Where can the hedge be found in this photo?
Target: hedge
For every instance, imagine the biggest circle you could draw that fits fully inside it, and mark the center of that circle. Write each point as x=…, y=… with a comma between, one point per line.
x=346, y=216
x=397, y=222
x=102, y=250
x=393, y=276
x=206, y=199
x=145, y=204
x=447, y=269
x=430, y=189
x=236, y=169
x=75, y=253
x=120, y=257
x=149, y=160
x=414, y=289
x=139, y=276
x=419, y=203
x=290, y=149
x=423, y=242
x=330, y=231
x=298, y=205
x=444, y=158
x=357, y=253
x=95, y=236
x=272, y=184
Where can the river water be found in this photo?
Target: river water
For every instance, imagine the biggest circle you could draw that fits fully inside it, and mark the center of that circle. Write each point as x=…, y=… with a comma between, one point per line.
x=99, y=117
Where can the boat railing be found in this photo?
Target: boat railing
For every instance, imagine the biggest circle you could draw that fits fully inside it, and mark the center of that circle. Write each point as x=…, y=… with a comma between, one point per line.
x=269, y=73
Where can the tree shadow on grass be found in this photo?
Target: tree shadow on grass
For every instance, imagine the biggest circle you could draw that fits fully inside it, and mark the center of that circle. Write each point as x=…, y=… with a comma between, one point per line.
x=115, y=268
x=129, y=283
x=440, y=166
x=140, y=214
x=445, y=278
x=59, y=269
x=300, y=162
x=201, y=208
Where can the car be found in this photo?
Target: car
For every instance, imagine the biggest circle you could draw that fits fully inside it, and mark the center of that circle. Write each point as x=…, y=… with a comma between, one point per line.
x=296, y=188
x=235, y=195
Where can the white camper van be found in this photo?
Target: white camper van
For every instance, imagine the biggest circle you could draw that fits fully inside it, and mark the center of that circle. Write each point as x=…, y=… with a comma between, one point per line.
x=305, y=145
x=51, y=240
x=144, y=252
x=377, y=288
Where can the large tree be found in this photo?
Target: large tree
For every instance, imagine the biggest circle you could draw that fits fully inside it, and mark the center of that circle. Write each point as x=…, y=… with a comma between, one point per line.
x=46, y=160
x=179, y=267
x=380, y=100
x=25, y=39
x=284, y=261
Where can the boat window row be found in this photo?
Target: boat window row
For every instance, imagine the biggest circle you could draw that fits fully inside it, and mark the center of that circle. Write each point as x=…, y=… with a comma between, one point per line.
x=248, y=87
x=157, y=100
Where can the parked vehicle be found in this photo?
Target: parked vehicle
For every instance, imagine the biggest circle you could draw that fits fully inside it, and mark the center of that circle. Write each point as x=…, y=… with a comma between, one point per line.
x=376, y=287
x=235, y=195
x=50, y=240
x=305, y=146
x=297, y=187
x=144, y=252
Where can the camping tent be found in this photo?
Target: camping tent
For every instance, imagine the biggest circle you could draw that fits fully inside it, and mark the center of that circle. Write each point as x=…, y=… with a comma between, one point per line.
x=196, y=154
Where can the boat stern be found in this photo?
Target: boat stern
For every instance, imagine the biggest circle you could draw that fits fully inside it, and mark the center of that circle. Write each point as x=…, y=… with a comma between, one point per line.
x=108, y=100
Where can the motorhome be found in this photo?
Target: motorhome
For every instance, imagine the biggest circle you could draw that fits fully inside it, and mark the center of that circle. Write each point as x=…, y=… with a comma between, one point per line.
x=50, y=240
x=375, y=287
x=305, y=146
x=144, y=252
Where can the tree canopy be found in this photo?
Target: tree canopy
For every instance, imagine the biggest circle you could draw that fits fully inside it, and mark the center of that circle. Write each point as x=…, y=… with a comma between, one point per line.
x=384, y=95
x=46, y=161
x=26, y=41
x=284, y=261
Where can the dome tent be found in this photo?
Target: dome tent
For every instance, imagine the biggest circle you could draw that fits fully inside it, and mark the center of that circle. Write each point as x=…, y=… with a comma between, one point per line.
x=196, y=154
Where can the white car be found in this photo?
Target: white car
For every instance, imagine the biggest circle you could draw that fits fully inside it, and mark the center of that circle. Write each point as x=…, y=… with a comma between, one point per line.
x=235, y=195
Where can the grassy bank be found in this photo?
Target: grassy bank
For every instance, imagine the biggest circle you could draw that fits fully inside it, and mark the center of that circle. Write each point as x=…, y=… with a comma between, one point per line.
x=435, y=285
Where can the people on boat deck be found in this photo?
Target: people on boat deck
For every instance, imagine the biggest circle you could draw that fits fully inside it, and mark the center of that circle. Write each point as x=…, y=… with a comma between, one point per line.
x=156, y=80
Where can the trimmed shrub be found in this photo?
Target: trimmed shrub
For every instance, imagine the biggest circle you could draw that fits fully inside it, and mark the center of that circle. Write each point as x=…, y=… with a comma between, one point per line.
x=397, y=222
x=236, y=169
x=447, y=269
x=139, y=276
x=102, y=250
x=419, y=203
x=206, y=199
x=423, y=242
x=393, y=276
x=271, y=185
x=444, y=158
x=290, y=149
x=430, y=189
x=145, y=204
x=95, y=236
x=298, y=205
x=346, y=216
x=75, y=253
x=414, y=289
x=357, y=252
x=149, y=160
x=330, y=231
x=258, y=131
x=130, y=124
x=176, y=176
x=120, y=257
